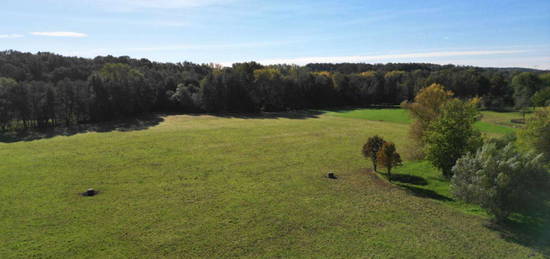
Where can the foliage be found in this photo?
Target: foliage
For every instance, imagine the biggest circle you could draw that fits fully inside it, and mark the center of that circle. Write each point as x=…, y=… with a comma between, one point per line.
x=6, y=86
x=51, y=89
x=536, y=133
x=501, y=181
x=424, y=110
x=388, y=157
x=452, y=134
x=371, y=148
x=541, y=98
x=525, y=85
x=186, y=97
x=119, y=91
x=502, y=141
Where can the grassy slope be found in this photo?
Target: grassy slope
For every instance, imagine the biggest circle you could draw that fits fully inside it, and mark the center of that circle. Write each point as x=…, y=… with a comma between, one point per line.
x=211, y=186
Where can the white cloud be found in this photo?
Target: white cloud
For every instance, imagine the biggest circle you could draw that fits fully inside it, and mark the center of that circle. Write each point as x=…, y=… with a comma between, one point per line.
x=60, y=34
x=409, y=57
x=10, y=36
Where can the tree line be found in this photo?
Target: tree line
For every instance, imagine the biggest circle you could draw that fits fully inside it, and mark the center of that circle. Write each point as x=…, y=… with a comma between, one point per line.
x=44, y=89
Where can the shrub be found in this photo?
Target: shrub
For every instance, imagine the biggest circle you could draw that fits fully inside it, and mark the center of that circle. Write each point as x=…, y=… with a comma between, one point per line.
x=371, y=148
x=388, y=157
x=501, y=142
x=501, y=181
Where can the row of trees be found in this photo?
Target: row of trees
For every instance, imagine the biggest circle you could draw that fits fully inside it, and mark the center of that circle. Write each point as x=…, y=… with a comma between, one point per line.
x=44, y=90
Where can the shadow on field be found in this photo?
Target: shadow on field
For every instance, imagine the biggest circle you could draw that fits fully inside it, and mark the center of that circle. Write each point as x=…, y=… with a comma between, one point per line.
x=406, y=180
x=137, y=123
x=530, y=230
x=299, y=115
x=410, y=179
x=425, y=193
x=373, y=107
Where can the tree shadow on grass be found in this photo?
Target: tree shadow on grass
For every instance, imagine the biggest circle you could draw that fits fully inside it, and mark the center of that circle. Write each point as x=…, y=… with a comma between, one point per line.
x=410, y=179
x=527, y=230
x=299, y=115
x=406, y=181
x=372, y=107
x=530, y=229
x=131, y=124
x=424, y=193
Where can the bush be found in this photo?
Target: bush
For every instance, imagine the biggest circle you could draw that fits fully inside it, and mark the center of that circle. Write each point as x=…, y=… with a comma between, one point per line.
x=501, y=181
x=503, y=141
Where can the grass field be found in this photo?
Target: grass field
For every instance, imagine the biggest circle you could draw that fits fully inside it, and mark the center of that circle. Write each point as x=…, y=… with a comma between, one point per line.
x=207, y=186
x=492, y=123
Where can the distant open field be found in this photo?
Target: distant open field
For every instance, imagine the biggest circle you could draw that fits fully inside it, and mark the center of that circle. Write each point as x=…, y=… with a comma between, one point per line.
x=492, y=123
x=221, y=186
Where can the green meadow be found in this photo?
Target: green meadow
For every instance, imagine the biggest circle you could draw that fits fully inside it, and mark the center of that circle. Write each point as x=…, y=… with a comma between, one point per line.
x=491, y=123
x=228, y=186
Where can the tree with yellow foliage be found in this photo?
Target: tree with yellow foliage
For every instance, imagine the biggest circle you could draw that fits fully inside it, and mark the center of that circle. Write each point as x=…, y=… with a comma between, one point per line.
x=425, y=109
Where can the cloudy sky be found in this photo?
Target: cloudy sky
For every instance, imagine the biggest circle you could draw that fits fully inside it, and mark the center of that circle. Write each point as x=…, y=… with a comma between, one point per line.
x=500, y=33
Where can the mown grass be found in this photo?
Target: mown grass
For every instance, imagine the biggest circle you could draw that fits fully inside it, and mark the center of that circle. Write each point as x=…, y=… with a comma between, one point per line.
x=492, y=123
x=383, y=114
x=423, y=180
x=206, y=186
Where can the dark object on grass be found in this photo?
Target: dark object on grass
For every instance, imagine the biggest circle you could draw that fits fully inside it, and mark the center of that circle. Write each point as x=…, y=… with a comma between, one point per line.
x=89, y=192
x=331, y=175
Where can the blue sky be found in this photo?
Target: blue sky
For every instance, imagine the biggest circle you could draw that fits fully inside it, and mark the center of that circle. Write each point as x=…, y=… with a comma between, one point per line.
x=500, y=33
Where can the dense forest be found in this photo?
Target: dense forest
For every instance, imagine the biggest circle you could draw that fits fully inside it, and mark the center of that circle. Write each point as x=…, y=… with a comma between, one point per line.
x=45, y=90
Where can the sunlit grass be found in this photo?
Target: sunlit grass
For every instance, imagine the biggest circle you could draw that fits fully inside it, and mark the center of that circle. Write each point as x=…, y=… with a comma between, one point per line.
x=205, y=186
x=492, y=123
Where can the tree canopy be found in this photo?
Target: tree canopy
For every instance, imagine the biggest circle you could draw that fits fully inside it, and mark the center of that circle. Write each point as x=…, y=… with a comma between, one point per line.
x=452, y=134
x=45, y=90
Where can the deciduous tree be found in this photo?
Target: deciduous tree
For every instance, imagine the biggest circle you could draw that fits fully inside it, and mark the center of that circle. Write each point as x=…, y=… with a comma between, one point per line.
x=424, y=110
x=388, y=157
x=371, y=148
x=525, y=85
x=541, y=98
x=452, y=134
